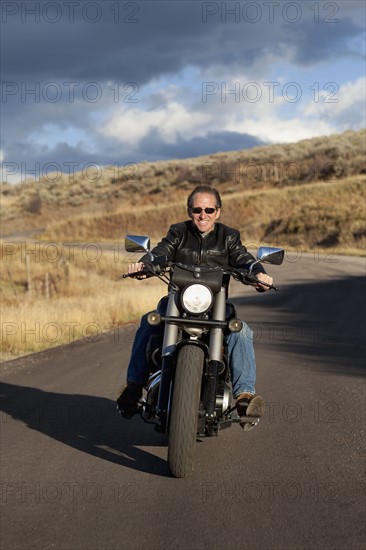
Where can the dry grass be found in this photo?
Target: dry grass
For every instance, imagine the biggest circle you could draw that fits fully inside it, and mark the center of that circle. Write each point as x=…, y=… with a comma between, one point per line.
x=84, y=304
x=319, y=214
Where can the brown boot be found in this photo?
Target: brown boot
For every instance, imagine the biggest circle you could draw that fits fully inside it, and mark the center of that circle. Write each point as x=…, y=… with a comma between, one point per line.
x=249, y=405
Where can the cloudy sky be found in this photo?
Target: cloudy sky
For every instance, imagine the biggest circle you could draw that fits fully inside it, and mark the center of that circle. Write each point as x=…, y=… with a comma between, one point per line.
x=114, y=83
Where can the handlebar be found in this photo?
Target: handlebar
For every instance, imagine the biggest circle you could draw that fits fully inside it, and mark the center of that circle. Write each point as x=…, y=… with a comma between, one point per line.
x=157, y=269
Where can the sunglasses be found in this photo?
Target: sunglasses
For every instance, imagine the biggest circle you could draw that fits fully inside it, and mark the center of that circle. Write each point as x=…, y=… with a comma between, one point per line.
x=198, y=210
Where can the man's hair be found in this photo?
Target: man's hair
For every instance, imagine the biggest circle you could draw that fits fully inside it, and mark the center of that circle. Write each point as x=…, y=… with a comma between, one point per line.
x=204, y=189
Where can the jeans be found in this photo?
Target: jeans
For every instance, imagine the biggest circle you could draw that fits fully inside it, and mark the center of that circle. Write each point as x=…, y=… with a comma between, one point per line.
x=240, y=355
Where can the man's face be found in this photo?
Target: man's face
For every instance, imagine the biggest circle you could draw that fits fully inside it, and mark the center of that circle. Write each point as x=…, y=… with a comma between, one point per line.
x=203, y=221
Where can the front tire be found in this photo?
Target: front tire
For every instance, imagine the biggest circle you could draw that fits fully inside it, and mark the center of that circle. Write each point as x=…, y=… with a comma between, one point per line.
x=184, y=413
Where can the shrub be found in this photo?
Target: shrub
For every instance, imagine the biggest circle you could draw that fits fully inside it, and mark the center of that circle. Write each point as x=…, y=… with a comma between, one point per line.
x=34, y=204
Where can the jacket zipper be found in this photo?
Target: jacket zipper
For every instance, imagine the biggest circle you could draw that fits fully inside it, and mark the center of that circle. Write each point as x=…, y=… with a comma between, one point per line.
x=200, y=249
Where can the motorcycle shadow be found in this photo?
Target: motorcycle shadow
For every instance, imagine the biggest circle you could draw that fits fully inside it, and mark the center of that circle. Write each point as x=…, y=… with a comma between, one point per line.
x=87, y=423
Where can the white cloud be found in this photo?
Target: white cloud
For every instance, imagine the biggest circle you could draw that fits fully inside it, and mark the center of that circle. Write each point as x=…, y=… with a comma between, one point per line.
x=276, y=120
x=278, y=130
x=345, y=109
x=132, y=125
x=330, y=111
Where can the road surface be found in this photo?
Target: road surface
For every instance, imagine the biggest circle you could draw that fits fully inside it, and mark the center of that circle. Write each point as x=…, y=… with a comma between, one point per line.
x=75, y=475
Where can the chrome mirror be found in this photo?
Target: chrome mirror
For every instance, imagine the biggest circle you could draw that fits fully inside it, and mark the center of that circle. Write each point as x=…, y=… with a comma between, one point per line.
x=137, y=243
x=270, y=255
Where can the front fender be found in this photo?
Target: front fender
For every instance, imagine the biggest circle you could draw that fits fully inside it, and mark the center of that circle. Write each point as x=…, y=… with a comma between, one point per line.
x=191, y=342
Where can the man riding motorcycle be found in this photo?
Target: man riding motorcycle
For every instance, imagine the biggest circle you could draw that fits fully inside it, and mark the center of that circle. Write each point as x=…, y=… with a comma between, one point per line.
x=202, y=240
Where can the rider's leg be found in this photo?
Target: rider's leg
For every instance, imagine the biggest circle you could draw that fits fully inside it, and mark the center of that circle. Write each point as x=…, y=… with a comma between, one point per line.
x=242, y=360
x=138, y=369
x=137, y=372
x=243, y=372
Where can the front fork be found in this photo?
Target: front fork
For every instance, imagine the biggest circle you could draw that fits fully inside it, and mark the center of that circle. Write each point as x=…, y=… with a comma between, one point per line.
x=215, y=355
x=169, y=346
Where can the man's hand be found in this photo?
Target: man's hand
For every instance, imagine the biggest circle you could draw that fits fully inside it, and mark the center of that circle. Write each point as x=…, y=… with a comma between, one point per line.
x=132, y=268
x=265, y=279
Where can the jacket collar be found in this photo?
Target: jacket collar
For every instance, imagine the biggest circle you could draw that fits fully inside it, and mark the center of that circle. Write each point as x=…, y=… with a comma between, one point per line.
x=202, y=235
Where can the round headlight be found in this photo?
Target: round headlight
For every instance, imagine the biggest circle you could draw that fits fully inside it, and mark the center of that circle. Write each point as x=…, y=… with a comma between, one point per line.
x=196, y=298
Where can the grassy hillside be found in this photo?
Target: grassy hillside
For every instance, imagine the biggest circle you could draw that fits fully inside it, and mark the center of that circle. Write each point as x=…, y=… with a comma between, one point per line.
x=316, y=215
x=106, y=203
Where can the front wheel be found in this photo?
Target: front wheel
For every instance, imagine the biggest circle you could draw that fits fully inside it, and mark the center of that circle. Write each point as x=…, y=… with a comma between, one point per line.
x=184, y=413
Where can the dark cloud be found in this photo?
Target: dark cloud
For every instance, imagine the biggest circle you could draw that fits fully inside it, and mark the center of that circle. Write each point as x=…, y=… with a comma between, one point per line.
x=63, y=155
x=313, y=45
x=165, y=38
x=214, y=142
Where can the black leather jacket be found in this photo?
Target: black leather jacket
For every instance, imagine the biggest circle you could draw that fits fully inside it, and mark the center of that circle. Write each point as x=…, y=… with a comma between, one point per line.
x=220, y=247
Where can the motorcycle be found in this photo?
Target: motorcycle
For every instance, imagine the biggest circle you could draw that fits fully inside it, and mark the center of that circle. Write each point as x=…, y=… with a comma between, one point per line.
x=188, y=392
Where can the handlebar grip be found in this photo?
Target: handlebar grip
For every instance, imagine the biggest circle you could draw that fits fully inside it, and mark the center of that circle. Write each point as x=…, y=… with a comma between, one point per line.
x=136, y=273
x=250, y=279
x=269, y=286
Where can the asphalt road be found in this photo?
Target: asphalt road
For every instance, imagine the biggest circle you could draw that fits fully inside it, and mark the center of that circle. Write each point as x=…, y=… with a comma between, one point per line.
x=77, y=476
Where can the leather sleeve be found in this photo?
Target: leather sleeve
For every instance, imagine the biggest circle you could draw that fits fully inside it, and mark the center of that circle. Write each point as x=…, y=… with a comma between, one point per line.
x=239, y=256
x=168, y=245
